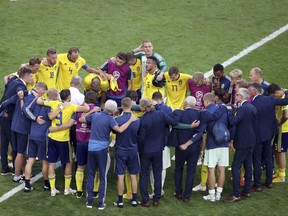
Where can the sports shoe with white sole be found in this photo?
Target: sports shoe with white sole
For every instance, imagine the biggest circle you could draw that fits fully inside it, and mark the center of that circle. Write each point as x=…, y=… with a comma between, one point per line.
x=210, y=197
x=102, y=207
x=28, y=189
x=134, y=203
x=119, y=205
x=199, y=188
x=69, y=191
x=217, y=196
x=89, y=205
x=54, y=192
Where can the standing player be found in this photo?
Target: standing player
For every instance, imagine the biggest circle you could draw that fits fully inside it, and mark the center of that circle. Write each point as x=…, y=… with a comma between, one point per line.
x=256, y=76
x=176, y=84
x=69, y=66
x=37, y=135
x=120, y=73
x=58, y=142
x=219, y=80
x=49, y=69
x=126, y=153
x=151, y=70
x=136, y=69
x=98, y=157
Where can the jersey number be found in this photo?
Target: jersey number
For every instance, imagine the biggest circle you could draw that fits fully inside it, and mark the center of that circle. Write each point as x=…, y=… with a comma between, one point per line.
x=51, y=75
x=174, y=88
x=59, y=118
x=71, y=70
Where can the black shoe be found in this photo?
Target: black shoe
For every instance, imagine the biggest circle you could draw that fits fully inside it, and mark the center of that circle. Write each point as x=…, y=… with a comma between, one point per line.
x=7, y=171
x=28, y=189
x=119, y=205
x=79, y=194
x=46, y=187
x=95, y=195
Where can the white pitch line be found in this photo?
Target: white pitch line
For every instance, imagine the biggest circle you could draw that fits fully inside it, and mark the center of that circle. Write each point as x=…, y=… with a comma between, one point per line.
x=250, y=48
x=22, y=186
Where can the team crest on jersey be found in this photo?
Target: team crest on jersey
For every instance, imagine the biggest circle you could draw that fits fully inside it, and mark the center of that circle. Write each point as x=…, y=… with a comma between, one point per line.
x=138, y=68
x=180, y=82
x=116, y=74
x=76, y=64
x=222, y=86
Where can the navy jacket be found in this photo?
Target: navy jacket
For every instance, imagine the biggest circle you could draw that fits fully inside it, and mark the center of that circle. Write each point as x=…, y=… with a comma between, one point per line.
x=153, y=130
x=246, y=126
x=181, y=136
x=265, y=106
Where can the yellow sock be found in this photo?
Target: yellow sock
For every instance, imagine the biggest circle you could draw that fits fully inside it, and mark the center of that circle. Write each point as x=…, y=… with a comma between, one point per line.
x=204, y=175
x=96, y=182
x=282, y=173
x=128, y=183
x=52, y=180
x=68, y=179
x=79, y=176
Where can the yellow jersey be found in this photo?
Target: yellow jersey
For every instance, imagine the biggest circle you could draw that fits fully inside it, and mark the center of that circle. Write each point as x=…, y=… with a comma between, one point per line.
x=136, y=75
x=279, y=114
x=104, y=84
x=149, y=88
x=67, y=70
x=63, y=117
x=176, y=90
x=48, y=74
x=35, y=80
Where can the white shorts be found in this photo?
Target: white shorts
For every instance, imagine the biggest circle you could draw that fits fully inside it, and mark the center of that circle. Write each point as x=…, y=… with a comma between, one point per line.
x=217, y=156
x=166, y=158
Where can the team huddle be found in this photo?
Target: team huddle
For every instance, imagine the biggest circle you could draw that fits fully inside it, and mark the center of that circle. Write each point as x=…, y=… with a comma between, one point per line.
x=137, y=106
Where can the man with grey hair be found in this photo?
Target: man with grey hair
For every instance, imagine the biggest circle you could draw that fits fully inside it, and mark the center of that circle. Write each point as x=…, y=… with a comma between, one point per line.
x=244, y=142
x=187, y=149
x=256, y=75
x=235, y=76
x=98, y=157
x=75, y=85
x=266, y=129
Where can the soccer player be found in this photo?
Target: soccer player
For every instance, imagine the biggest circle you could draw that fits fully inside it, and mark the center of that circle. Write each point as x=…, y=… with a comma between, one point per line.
x=144, y=51
x=198, y=88
x=69, y=66
x=136, y=69
x=101, y=125
x=38, y=115
x=176, y=85
x=235, y=75
x=13, y=87
x=126, y=153
x=280, y=149
x=256, y=76
x=215, y=153
x=151, y=70
x=49, y=68
x=219, y=80
x=95, y=83
x=58, y=142
x=119, y=72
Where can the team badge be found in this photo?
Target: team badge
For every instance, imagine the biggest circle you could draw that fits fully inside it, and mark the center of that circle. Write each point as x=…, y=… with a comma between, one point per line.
x=76, y=64
x=138, y=68
x=116, y=74
x=180, y=82
x=223, y=86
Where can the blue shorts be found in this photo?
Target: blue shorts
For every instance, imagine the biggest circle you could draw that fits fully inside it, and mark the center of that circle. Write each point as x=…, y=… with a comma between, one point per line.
x=37, y=148
x=58, y=149
x=283, y=146
x=129, y=161
x=19, y=142
x=82, y=153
